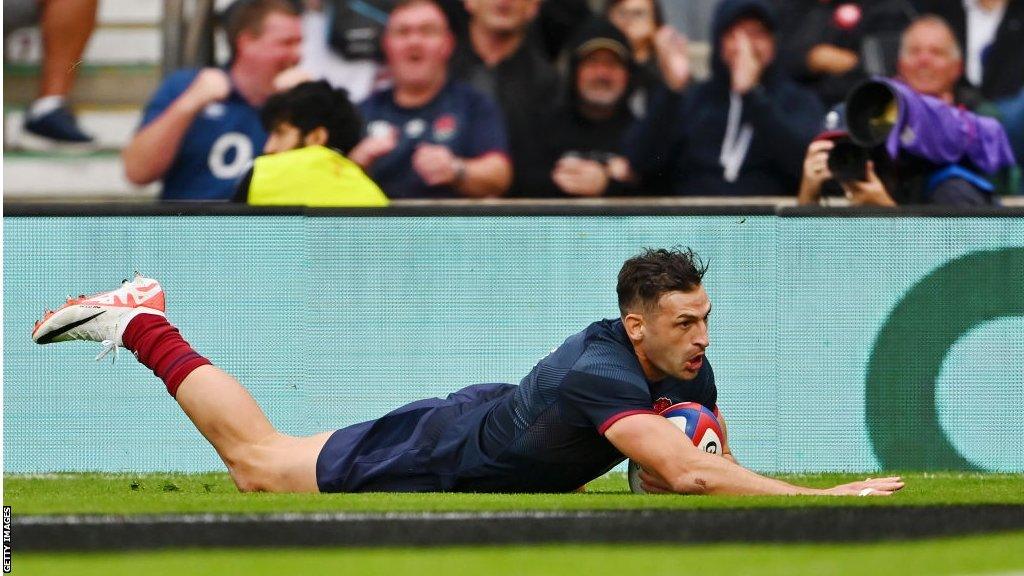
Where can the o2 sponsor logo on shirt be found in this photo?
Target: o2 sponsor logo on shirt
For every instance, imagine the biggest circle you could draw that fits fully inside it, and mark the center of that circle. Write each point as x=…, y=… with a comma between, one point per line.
x=230, y=156
x=445, y=127
x=415, y=128
x=379, y=128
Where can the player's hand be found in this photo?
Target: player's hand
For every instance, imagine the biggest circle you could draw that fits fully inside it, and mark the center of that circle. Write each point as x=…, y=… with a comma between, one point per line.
x=747, y=68
x=580, y=177
x=653, y=484
x=869, y=487
x=435, y=164
x=373, y=147
x=673, y=57
x=291, y=78
x=210, y=85
x=870, y=192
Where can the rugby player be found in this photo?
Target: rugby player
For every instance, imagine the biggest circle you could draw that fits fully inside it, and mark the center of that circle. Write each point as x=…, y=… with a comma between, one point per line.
x=580, y=411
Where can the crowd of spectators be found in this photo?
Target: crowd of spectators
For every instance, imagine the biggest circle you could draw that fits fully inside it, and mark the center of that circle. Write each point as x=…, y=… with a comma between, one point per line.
x=524, y=98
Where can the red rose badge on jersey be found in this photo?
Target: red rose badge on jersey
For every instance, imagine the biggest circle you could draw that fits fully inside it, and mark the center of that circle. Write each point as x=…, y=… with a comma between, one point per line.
x=846, y=16
x=661, y=403
x=445, y=127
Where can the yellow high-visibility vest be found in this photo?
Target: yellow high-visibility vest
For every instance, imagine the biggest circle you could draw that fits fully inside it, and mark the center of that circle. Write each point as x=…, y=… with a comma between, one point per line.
x=312, y=176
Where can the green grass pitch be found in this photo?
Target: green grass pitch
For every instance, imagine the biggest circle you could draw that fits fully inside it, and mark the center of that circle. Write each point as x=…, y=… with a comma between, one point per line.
x=995, y=554
x=196, y=493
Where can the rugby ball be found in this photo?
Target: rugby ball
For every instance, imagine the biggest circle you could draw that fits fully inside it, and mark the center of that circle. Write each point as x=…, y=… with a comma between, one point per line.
x=700, y=426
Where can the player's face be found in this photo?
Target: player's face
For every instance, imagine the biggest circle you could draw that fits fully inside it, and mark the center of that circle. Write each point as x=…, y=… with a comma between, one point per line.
x=675, y=335
x=503, y=16
x=417, y=44
x=928, y=61
x=277, y=48
x=602, y=78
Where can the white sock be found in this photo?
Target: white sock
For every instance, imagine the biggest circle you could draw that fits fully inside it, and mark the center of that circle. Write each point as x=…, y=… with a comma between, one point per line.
x=45, y=105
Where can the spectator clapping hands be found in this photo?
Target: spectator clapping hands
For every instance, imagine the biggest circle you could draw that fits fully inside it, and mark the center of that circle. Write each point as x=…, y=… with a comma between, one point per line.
x=745, y=63
x=672, y=49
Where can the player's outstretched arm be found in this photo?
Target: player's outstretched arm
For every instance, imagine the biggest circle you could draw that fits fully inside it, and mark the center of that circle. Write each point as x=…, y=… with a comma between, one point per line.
x=674, y=464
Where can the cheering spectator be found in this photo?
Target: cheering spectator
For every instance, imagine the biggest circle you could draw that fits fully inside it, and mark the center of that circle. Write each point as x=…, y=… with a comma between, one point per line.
x=992, y=34
x=311, y=127
x=201, y=128
x=429, y=137
x=659, y=50
x=744, y=131
x=66, y=27
x=583, y=137
x=497, y=60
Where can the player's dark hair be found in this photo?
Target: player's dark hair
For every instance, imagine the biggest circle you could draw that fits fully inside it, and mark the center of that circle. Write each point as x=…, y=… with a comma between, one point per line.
x=312, y=105
x=645, y=277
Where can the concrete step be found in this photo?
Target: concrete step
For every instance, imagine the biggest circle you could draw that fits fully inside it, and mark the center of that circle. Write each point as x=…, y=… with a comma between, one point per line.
x=112, y=128
x=131, y=12
x=95, y=85
x=98, y=176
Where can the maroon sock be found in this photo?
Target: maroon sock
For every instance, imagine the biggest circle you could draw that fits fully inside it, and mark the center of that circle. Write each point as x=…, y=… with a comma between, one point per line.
x=161, y=348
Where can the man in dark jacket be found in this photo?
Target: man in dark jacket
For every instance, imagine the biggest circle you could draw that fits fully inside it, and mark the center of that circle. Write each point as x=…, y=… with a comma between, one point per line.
x=831, y=46
x=991, y=33
x=741, y=133
x=582, y=139
x=497, y=58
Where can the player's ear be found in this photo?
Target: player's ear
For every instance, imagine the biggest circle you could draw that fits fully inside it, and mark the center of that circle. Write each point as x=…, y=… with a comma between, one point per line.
x=316, y=137
x=634, y=324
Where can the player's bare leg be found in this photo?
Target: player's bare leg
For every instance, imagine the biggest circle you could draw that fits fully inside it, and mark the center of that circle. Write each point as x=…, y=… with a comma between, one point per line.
x=257, y=456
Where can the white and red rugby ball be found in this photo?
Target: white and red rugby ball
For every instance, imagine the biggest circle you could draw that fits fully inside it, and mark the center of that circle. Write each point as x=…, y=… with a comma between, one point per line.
x=698, y=423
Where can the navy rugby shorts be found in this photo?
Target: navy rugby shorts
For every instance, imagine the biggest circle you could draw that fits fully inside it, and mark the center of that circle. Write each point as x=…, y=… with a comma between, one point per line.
x=395, y=453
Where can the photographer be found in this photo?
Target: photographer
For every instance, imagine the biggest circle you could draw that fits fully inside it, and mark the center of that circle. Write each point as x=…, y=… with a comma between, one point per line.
x=925, y=169
x=869, y=191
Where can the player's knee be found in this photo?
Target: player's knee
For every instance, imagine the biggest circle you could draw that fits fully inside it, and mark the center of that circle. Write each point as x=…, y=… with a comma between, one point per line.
x=260, y=467
x=246, y=478
x=246, y=470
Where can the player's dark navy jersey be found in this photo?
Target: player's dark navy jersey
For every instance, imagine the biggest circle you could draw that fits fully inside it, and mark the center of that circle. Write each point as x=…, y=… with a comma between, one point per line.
x=544, y=435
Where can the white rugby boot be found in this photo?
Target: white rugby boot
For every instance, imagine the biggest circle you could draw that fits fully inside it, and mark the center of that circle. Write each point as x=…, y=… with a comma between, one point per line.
x=101, y=317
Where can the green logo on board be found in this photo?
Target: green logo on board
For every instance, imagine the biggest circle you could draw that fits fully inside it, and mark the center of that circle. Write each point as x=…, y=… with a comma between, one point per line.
x=907, y=357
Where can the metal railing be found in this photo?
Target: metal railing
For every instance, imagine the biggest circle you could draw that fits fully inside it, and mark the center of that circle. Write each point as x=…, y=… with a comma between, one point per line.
x=187, y=34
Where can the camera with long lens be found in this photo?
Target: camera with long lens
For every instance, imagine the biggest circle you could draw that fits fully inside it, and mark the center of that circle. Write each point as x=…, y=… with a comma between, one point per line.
x=889, y=114
x=848, y=161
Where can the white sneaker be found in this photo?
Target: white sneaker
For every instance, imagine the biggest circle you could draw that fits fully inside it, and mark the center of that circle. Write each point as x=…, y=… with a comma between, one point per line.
x=101, y=317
